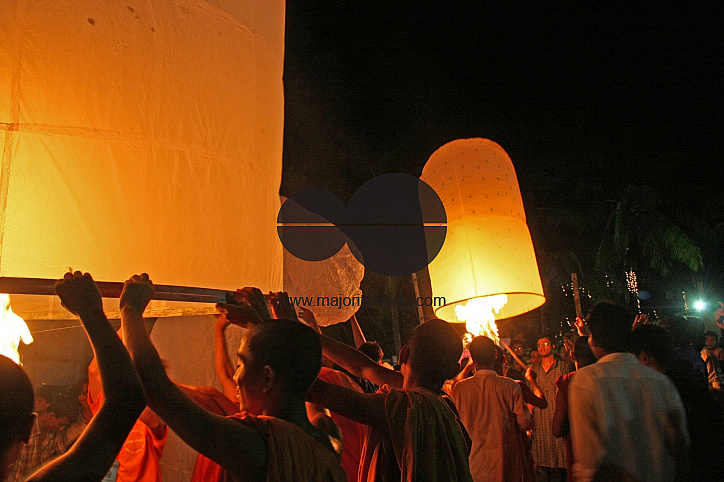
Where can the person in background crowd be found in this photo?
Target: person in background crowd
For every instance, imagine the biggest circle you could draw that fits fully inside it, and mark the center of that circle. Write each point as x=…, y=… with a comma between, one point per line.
x=271, y=438
x=627, y=420
x=492, y=409
x=582, y=356
x=549, y=452
x=399, y=446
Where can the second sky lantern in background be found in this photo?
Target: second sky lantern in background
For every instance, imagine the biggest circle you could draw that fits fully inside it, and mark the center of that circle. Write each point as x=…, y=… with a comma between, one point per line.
x=487, y=268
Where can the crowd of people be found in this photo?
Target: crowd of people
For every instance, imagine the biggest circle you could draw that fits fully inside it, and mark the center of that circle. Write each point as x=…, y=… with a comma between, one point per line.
x=622, y=399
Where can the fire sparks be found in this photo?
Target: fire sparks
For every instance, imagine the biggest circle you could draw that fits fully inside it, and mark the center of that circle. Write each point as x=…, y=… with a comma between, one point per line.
x=479, y=315
x=13, y=330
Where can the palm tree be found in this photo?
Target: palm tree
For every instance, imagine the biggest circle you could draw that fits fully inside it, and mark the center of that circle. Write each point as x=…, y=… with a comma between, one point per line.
x=637, y=235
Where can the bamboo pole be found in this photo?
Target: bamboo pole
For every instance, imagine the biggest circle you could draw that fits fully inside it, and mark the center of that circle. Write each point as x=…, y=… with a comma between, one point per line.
x=113, y=289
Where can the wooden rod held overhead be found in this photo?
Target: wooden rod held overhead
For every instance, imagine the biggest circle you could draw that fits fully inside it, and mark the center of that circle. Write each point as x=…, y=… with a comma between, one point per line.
x=113, y=289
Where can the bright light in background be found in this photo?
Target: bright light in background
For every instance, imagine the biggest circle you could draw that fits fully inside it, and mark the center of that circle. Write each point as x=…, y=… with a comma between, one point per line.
x=13, y=330
x=479, y=315
x=699, y=305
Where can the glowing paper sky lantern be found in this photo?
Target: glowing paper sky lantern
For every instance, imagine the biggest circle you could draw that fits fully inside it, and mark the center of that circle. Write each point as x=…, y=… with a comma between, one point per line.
x=141, y=136
x=486, y=269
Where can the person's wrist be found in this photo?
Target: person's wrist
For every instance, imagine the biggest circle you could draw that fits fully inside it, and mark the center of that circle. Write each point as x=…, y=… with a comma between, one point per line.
x=130, y=309
x=91, y=310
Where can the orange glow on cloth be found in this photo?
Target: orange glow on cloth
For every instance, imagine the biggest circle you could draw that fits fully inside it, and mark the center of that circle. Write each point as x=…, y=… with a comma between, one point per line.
x=141, y=139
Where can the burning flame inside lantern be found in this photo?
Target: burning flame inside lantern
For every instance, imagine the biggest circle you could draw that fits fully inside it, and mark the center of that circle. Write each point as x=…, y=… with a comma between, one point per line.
x=479, y=315
x=13, y=330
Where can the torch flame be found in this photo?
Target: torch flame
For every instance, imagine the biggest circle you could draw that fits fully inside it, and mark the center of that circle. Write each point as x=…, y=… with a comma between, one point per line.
x=479, y=315
x=13, y=330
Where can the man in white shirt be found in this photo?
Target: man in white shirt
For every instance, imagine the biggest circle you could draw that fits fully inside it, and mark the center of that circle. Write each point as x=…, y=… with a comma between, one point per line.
x=492, y=410
x=627, y=420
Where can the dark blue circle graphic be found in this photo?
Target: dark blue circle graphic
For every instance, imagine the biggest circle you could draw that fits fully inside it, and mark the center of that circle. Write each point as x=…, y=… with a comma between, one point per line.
x=394, y=224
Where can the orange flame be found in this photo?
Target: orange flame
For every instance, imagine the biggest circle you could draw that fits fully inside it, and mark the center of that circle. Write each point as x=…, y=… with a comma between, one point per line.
x=13, y=330
x=479, y=315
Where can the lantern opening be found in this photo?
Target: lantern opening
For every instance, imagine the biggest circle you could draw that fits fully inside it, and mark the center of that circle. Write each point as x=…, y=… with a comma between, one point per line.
x=479, y=315
x=13, y=330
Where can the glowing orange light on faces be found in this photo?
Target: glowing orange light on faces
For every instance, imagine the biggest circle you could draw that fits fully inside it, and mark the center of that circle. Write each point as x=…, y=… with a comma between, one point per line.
x=13, y=330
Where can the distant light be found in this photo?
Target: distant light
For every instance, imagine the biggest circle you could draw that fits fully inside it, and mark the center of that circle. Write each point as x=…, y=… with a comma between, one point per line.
x=699, y=305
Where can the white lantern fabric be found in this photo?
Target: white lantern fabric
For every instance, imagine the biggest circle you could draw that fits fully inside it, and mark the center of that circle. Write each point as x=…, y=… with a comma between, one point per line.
x=488, y=250
x=329, y=288
x=142, y=136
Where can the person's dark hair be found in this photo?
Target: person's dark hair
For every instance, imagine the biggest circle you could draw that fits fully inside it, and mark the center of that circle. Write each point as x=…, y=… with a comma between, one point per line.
x=697, y=327
x=16, y=402
x=372, y=349
x=679, y=329
x=63, y=407
x=656, y=342
x=582, y=352
x=610, y=326
x=290, y=348
x=482, y=350
x=42, y=391
x=435, y=348
x=711, y=333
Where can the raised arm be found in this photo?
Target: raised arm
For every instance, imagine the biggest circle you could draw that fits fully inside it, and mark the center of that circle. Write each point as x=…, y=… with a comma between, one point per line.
x=236, y=447
x=365, y=408
x=534, y=390
x=96, y=449
x=222, y=365
x=523, y=417
x=359, y=364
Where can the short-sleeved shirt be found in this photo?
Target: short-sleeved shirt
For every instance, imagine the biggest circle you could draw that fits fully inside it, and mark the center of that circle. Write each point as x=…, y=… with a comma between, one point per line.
x=293, y=454
x=423, y=441
x=491, y=408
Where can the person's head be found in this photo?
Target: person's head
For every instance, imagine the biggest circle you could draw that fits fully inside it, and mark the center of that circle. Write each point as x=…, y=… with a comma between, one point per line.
x=278, y=362
x=517, y=347
x=61, y=412
x=373, y=350
x=16, y=411
x=43, y=397
x=534, y=357
x=545, y=347
x=610, y=327
x=581, y=353
x=710, y=340
x=697, y=328
x=678, y=327
x=432, y=353
x=482, y=351
x=653, y=346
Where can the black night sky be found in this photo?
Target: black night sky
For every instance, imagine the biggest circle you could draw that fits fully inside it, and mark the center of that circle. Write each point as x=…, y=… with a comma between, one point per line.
x=586, y=99
x=584, y=93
